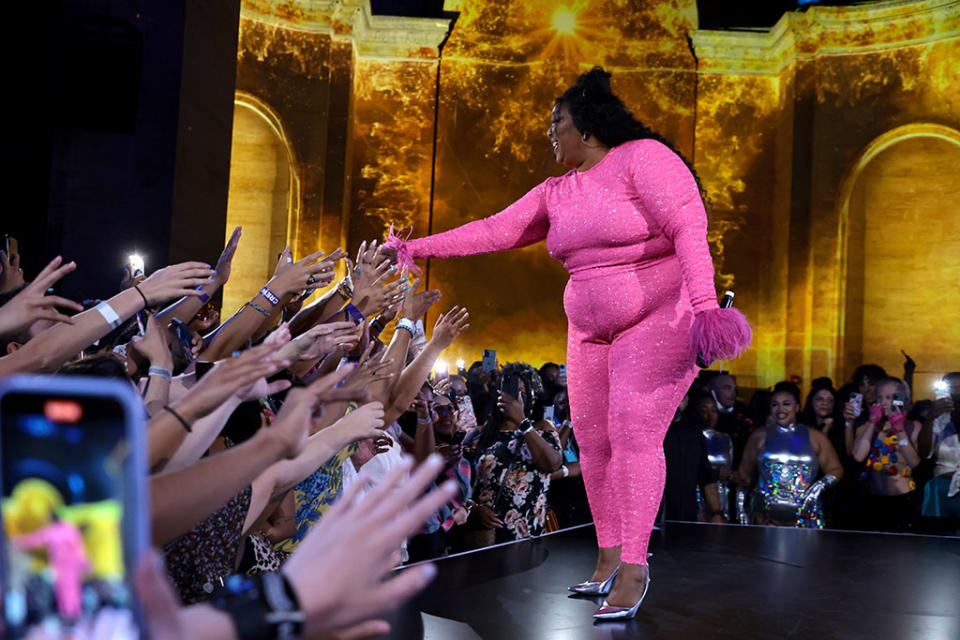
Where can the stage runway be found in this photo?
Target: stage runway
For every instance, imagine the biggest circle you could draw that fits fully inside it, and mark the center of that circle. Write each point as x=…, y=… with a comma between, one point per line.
x=709, y=581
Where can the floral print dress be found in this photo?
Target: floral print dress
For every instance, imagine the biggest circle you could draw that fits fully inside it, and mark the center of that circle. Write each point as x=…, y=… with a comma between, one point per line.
x=522, y=505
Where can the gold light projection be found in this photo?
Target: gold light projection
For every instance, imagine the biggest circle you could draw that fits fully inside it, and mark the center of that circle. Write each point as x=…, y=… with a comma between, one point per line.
x=774, y=122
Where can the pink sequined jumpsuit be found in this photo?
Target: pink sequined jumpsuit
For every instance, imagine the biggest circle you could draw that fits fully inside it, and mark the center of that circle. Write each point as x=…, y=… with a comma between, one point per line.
x=631, y=231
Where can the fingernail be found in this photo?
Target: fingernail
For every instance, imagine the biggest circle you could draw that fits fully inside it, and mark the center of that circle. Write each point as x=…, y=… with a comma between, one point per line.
x=450, y=485
x=434, y=459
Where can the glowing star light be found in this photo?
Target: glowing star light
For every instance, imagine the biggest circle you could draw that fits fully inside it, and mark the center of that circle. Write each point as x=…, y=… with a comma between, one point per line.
x=565, y=21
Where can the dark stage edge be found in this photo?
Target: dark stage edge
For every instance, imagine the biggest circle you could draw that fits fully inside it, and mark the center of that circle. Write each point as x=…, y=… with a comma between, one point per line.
x=708, y=581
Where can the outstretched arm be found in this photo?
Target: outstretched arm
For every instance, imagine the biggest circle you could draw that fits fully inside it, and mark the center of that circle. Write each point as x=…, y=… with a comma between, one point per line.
x=521, y=224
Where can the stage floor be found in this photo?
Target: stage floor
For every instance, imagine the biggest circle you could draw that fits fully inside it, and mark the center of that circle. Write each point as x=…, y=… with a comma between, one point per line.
x=708, y=581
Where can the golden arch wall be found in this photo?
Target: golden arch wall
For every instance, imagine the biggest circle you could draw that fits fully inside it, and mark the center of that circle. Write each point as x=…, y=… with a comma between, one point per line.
x=264, y=197
x=898, y=210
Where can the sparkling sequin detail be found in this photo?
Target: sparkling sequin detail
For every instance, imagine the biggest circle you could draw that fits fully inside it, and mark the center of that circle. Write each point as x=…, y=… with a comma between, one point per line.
x=631, y=231
x=787, y=466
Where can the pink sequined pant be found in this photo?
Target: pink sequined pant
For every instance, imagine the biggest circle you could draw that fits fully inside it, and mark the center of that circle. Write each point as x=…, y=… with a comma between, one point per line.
x=629, y=365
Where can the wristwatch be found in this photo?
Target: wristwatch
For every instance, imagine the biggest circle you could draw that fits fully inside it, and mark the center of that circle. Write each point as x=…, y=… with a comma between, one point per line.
x=524, y=430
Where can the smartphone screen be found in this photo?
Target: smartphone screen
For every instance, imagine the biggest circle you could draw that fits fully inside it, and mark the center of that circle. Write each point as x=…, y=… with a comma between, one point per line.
x=489, y=362
x=549, y=413
x=74, y=511
x=468, y=418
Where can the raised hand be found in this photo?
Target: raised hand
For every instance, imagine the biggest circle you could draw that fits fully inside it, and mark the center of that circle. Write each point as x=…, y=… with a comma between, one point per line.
x=230, y=376
x=225, y=261
x=154, y=345
x=321, y=340
x=449, y=326
x=175, y=281
x=12, y=276
x=338, y=570
x=415, y=304
x=363, y=422
x=312, y=272
x=511, y=408
x=31, y=304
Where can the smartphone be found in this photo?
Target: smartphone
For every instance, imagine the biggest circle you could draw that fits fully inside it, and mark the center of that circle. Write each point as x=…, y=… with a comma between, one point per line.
x=489, y=362
x=898, y=402
x=75, y=505
x=458, y=438
x=510, y=385
x=185, y=336
x=135, y=262
x=10, y=246
x=549, y=413
x=941, y=389
x=468, y=417
x=856, y=399
x=563, y=372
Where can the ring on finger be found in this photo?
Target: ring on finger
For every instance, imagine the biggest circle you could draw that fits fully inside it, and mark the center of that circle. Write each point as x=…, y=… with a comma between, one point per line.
x=311, y=279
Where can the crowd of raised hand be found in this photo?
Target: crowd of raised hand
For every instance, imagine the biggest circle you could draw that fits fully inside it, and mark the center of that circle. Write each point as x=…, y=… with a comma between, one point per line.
x=260, y=428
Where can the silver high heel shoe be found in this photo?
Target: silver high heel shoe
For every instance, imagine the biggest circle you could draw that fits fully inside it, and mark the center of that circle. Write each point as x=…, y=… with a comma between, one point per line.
x=607, y=612
x=595, y=588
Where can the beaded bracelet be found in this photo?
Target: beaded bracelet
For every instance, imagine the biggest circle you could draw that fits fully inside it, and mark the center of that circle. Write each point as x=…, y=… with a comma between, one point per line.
x=259, y=308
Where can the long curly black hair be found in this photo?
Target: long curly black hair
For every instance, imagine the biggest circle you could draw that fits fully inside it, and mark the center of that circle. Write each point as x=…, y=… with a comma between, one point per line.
x=597, y=111
x=533, y=387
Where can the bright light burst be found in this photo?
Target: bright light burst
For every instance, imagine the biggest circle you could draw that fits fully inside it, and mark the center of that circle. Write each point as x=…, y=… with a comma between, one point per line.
x=565, y=21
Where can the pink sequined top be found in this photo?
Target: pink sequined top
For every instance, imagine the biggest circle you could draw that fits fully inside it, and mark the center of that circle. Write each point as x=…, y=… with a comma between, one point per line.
x=638, y=205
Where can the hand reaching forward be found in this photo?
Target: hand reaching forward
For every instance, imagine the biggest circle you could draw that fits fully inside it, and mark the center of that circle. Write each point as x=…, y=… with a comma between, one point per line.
x=175, y=281
x=449, y=327
x=31, y=304
x=225, y=262
x=415, y=305
x=338, y=570
x=363, y=422
x=321, y=340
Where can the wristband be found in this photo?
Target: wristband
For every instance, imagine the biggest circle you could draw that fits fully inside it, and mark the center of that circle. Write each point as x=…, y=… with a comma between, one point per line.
x=146, y=303
x=407, y=323
x=259, y=308
x=529, y=426
x=354, y=313
x=204, y=298
x=270, y=295
x=162, y=372
x=109, y=314
x=176, y=415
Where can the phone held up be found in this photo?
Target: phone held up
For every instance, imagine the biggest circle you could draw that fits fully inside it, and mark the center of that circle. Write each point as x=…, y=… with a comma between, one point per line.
x=856, y=400
x=489, y=362
x=75, y=505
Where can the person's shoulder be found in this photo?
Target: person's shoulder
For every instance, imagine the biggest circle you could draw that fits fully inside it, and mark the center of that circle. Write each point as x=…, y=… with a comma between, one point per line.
x=644, y=147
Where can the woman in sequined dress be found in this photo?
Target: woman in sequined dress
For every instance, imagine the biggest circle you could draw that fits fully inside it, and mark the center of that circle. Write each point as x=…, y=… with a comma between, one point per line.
x=628, y=223
x=783, y=463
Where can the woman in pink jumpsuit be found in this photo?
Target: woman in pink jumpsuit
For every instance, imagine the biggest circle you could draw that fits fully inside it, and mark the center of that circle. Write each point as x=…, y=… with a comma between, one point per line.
x=629, y=225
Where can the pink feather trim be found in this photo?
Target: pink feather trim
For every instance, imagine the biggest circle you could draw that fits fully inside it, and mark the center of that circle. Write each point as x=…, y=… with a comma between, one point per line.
x=398, y=244
x=720, y=334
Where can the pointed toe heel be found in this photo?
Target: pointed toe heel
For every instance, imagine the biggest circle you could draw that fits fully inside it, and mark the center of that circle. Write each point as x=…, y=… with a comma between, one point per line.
x=595, y=588
x=608, y=612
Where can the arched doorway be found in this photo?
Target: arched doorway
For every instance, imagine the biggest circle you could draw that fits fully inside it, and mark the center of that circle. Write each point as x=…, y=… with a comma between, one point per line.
x=901, y=206
x=263, y=198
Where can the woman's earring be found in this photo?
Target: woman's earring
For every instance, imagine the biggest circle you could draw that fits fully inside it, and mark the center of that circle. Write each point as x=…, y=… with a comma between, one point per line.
x=585, y=136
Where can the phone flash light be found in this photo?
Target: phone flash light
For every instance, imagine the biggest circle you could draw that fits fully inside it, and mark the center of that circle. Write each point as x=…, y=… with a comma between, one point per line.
x=941, y=387
x=441, y=367
x=461, y=364
x=64, y=411
x=135, y=260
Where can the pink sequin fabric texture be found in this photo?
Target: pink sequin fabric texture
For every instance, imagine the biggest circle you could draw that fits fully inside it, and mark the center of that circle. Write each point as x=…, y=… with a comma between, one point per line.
x=631, y=231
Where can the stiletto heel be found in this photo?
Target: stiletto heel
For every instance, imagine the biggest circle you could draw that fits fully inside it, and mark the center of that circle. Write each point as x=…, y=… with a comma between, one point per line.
x=607, y=612
x=595, y=588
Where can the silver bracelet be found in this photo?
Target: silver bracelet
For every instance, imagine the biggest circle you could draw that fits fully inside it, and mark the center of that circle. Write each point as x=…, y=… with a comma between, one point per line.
x=259, y=308
x=162, y=372
x=566, y=471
